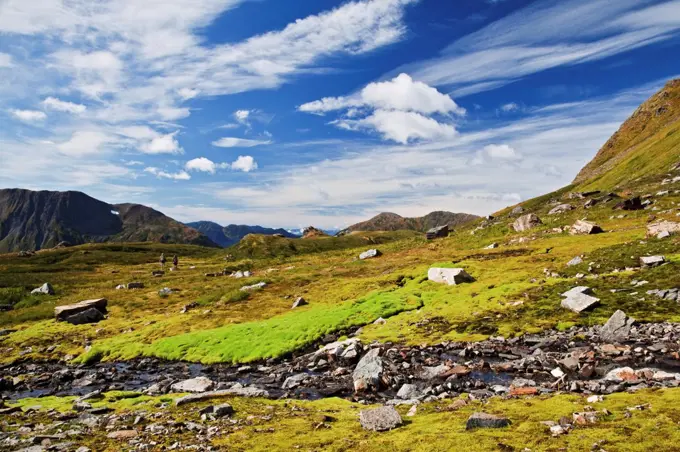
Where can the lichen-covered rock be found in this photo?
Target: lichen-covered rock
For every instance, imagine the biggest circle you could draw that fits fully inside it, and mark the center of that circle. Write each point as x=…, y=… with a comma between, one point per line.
x=484, y=420
x=585, y=227
x=561, y=209
x=617, y=328
x=450, y=276
x=380, y=419
x=526, y=222
x=368, y=373
x=66, y=311
x=369, y=254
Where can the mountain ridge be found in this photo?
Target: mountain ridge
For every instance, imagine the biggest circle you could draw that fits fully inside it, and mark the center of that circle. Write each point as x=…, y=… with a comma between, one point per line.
x=229, y=235
x=389, y=221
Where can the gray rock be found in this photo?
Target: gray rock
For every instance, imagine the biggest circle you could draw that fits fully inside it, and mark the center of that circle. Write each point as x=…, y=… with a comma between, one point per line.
x=260, y=285
x=484, y=420
x=45, y=289
x=517, y=210
x=294, y=381
x=165, y=291
x=121, y=287
x=578, y=290
x=575, y=261
x=409, y=392
x=561, y=209
x=368, y=373
x=585, y=227
x=652, y=261
x=236, y=391
x=663, y=229
x=369, y=254
x=62, y=312
x=380, y=419
x=135, y=285
x=91, y=315
x=450, y=276
x=223, y=410
x=198, y=384
x=580, y=302
x=617, y=328
x=299, y=302
x=491, y=247
x=526, y=222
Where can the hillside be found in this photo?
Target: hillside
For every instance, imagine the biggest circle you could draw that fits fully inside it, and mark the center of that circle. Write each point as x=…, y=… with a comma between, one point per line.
x=388, y=221
x=32, y=220
x=648, y=143
x=226, y=236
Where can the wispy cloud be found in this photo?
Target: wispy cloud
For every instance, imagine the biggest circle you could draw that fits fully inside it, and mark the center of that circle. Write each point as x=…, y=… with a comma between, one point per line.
x=180, y=175
x=28, y=115
x=233, y=142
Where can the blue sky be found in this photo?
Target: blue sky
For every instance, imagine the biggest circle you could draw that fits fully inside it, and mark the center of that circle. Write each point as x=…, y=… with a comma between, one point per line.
x=320, y=112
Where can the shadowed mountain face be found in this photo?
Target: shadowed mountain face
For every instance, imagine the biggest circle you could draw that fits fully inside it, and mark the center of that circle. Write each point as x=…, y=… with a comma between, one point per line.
x=392, y=222
x=32, y=220
x=226, y=236
x=646, y=144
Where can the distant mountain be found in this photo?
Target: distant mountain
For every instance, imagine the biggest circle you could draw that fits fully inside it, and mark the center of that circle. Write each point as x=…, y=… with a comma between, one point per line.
x=645, y=145
x=387, y=221
x=32, y=220
x=226, y=236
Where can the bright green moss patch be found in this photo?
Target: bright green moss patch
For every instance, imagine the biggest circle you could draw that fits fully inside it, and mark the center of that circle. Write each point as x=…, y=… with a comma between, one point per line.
x=269, y=338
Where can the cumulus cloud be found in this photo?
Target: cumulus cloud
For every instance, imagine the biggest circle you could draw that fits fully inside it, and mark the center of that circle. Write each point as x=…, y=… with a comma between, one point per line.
x=232, y=142
x=28, y=115
x=508, y=108
x=496, y=153
x=399, y=110
x=242, y=116
x=244, y=163
x=201, y=164
x=180, y=175
x=164, y=144
x=401, y=93
x=53, y=103
x=85, y=142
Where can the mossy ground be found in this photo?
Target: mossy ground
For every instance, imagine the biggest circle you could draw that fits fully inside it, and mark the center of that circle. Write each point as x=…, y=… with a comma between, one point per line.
x=332, y=424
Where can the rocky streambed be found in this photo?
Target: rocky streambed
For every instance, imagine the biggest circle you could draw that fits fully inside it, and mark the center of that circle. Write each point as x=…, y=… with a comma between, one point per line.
x=577, y=360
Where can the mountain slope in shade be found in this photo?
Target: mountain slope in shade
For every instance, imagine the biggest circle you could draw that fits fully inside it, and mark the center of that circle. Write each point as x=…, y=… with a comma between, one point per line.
x=648, y=143
x=388, y=221
x=226, y=236
x=32, y=220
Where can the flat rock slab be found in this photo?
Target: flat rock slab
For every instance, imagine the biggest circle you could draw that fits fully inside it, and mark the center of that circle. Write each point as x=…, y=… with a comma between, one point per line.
x=380, y=419
x=450, y=276
x=484, y=420
x=62, y=312
x=578, y=290
x=369, y=254
x=652, y=261
x=580, y=302
x=560, y=209
x=233, y=392
x=91, y=315
x=198, y=384
x=617, y=328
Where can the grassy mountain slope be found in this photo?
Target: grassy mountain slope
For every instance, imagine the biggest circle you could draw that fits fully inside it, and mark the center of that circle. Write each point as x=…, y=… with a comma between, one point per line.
x=388, y=221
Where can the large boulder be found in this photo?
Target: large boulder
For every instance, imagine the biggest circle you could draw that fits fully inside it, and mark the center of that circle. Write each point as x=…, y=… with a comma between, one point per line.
x=617, y=328
x=579, y=299
x=652, y=261
x=380, y=419
x=450, y=276
x=561, y=209
x=484, y=420
x=299, y=302
x=63, y=313
x=585, y=227
x=369, y=254
x=368, y=373
x=91, y=315
x=45, y=289
x=663, y=229
x=526, y=222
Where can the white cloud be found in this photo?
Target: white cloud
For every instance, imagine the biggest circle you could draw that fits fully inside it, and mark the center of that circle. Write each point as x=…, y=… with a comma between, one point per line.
x=232, y=142
x=401, y=126
x=244, y=163
x=508, y=108
x=548, y=34
x=5, y=60
x=229, y=126
x=181, y=175
x=164, y=144
x=53, y=103
x=187, y=93
x=28, y=115
x=401, y=93
x=201, y=164
x=86, y=142
x=242, y=116
x=494, y=153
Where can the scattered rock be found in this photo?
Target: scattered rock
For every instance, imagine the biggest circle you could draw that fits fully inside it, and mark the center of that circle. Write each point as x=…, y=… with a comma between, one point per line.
x=561, y=209
x=299, y=302
x=122, y=435
x=135, y=285
x=157, y=273
x=585, y=227
x=517, y=210
x=526, y=222
x=579, y=299
x=165, y=291
x=484, y=420
x=367, y=375
x=491, y=247
x=409, y=392
x=380, y=419
x=575, y=261
x=45, y=289
x=257, y=286
x=652, y=261
x=198, y=384
x=369, y=254
x=617, y=328
x=630, y=204
x=235, y=391
x=450, y=276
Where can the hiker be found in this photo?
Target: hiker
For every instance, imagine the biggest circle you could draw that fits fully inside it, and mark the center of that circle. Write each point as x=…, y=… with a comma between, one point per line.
x=162, y=261
x=175, y=261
